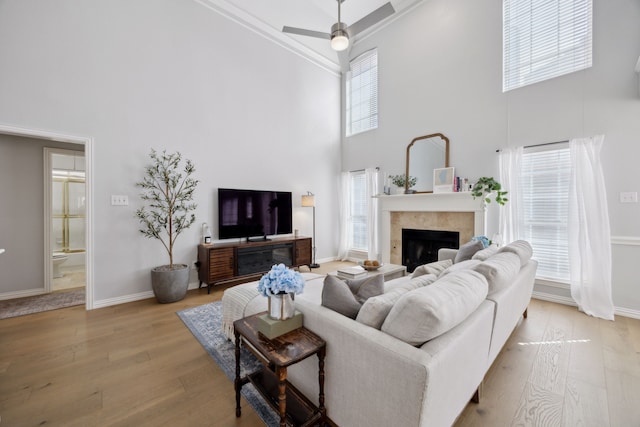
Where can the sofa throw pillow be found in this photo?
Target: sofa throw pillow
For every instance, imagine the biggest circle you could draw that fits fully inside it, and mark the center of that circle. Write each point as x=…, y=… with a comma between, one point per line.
x=376, y=309
x=436, y=268
x=522, y=248
x=468, y=250
x=347, y=296
x=484, y=254
x=500, y=270
x=425, y=313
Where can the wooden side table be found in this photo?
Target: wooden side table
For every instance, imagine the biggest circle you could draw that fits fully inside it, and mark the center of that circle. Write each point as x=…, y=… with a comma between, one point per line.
x=271, y=381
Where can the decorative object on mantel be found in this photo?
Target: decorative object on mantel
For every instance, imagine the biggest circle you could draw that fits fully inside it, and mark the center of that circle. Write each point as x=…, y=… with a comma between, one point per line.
x=403, y=184
x=168, y=189
x=485, y=187
x=443, y=180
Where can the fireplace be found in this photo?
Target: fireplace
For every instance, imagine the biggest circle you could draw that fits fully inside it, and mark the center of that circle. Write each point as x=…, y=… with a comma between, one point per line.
x=457, y=212
x=421, y=246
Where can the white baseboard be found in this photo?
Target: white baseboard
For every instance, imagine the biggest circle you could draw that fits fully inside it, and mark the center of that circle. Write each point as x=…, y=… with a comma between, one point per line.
x=122, y=300
x=627, y=312
x=22, y=294
x=134, y=297
x=619, y=311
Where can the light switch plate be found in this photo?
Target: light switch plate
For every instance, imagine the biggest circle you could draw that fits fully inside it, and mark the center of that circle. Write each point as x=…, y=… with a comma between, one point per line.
x=629, y=197
x=119, y=200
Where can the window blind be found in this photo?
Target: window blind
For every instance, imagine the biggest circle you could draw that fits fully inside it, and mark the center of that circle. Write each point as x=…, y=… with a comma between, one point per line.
x=358, y=217
x=544, y=183
x=362, y=93
x=543, y=39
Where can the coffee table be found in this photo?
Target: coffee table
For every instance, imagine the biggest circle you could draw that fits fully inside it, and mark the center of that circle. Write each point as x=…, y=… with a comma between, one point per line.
x=389, y=271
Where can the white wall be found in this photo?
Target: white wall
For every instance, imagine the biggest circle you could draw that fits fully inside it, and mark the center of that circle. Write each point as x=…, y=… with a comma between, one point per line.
x=440, y=70
x=169, y=74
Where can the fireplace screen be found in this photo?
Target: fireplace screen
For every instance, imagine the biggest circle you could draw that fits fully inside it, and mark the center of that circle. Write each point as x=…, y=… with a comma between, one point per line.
x=421, y=246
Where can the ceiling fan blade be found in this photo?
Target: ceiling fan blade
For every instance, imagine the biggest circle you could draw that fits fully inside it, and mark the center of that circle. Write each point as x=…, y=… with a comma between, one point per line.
x=303, y=32
x=373, y=18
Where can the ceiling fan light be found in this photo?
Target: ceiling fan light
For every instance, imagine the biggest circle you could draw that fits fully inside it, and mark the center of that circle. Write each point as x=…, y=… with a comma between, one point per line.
x=339, y=40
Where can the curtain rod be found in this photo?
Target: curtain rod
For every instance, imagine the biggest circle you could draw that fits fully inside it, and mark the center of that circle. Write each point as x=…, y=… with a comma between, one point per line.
x=541, y=145
x=362, y=170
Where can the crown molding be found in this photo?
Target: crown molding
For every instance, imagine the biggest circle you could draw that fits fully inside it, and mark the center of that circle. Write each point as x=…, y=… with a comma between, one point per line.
x=239, y=16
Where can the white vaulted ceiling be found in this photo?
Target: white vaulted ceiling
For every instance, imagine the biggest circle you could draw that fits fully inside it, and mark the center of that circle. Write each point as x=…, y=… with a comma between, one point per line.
x=267, y=17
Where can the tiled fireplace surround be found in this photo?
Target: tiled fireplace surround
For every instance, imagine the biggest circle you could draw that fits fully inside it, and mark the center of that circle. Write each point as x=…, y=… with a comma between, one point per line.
x=442, y=211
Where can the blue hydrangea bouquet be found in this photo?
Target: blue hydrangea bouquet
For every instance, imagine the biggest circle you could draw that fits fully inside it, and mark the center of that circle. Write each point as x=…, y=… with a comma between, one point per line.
x=279, y=280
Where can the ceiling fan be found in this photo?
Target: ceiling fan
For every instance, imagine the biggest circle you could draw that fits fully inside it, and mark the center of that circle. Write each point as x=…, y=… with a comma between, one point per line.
x=340, y=33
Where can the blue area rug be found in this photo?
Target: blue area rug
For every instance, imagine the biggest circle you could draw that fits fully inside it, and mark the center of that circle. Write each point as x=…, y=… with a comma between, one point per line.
x=205, y=322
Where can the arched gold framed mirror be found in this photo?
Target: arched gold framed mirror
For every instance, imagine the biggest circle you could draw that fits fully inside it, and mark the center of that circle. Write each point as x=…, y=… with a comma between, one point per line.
x=424, y=154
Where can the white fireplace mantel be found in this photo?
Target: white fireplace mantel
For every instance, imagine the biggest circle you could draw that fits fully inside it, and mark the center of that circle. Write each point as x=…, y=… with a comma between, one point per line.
x=427, y=202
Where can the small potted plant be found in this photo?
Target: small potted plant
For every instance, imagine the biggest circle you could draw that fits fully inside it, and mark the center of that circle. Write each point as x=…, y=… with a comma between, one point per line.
x=485, y=187
x=403, y=184
x=168, y=189
x=280, y=285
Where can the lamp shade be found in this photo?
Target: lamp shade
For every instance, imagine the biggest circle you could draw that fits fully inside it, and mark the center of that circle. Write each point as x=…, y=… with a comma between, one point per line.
x=308, y=200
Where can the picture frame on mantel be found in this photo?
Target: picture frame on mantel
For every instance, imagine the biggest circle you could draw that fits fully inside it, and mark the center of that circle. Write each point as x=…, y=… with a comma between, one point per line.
x=443, y=179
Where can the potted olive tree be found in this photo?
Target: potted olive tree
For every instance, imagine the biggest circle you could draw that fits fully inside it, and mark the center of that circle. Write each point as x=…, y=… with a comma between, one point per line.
x=167, y=189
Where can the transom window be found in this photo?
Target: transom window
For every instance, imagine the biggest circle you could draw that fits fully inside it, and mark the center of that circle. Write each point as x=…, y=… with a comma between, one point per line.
x=544, y=39
x=362, y=94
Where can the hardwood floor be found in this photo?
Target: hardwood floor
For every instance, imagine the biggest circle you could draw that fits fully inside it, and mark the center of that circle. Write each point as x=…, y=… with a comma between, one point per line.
x=563, y=368
x=136, y=364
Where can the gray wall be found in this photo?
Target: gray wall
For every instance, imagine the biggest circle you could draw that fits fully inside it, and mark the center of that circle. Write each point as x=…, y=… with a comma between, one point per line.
x=440, y=70
x=21, y=213
x=170, y=74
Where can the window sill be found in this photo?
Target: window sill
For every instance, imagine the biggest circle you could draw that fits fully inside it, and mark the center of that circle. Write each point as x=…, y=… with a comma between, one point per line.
x=552, y=283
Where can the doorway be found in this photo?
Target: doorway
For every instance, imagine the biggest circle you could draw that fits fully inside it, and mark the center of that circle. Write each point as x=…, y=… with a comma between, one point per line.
x=65, y=194
x=82, y=143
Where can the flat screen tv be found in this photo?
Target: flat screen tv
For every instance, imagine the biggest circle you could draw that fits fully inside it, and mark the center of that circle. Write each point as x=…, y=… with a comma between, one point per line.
x=253, y=213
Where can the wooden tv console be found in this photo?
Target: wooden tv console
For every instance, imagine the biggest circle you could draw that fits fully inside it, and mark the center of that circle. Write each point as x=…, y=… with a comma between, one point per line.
x=246, y=261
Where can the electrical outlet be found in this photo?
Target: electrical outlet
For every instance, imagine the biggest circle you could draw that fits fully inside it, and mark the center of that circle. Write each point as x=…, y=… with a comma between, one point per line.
x=629, y=197
x=119, y=200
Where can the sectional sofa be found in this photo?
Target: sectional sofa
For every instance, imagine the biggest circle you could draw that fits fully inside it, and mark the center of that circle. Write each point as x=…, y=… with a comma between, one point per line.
x=417, y=354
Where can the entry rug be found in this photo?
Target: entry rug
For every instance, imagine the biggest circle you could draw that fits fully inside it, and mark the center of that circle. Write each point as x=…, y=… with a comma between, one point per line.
x=36, y=304
x=205, y=322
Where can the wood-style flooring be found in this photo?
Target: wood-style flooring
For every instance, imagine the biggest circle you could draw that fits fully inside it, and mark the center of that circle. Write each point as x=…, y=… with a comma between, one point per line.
x=136, y=364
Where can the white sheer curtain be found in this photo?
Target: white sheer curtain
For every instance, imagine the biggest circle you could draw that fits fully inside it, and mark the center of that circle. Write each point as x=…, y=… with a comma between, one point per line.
x=511, y=219
x=368, y=204
x=372, y=178
x=589, y=234
x=345, y=206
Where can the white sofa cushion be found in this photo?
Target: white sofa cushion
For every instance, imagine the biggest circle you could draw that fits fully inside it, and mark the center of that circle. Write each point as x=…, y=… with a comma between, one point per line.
x=522, y=248
x=500, y=270
x=430, y=311
x=485, y=253
x=375, y=310
x=462, y=265
x=436, y=268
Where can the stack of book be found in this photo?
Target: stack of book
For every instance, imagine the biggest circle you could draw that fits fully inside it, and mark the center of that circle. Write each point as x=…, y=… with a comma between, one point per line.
x=352, y=272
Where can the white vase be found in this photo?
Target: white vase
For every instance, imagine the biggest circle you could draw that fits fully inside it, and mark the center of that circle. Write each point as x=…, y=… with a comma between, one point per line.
x=281, y=306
